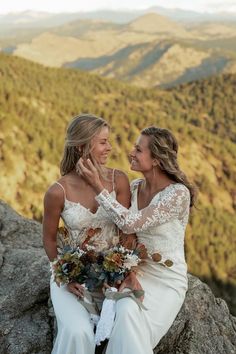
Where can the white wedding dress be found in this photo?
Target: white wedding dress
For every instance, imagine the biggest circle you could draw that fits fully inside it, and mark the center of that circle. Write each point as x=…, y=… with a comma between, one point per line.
x=161, y=228
x=75, y=330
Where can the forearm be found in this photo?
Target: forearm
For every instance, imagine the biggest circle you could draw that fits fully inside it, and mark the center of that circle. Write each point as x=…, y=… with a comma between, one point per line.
x=50, y=247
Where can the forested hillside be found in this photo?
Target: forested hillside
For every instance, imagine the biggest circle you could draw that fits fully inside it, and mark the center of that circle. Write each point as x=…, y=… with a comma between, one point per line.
x=36, y=104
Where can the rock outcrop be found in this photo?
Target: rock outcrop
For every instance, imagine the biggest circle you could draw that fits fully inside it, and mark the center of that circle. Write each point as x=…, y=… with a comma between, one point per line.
x=203, y=326
x=25, y=325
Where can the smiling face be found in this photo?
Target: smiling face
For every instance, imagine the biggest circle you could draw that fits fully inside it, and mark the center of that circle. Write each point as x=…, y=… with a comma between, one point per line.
x=141, y=159
x=100, y=146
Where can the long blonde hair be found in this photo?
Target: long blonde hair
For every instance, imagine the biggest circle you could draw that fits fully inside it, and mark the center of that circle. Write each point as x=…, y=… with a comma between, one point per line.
x=79, y=134
x=164, y=147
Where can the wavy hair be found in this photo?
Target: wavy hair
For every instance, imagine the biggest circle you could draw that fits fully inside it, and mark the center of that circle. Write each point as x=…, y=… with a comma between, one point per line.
x=164, y=147
x=79, y=134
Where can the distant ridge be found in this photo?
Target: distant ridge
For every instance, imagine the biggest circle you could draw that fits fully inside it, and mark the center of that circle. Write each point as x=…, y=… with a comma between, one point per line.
x=30, y=18
x=155, y=23
x=149, y=51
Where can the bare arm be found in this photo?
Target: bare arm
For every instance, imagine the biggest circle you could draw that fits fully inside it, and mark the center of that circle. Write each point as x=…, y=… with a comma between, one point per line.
x=53, y=205
x=123, y=194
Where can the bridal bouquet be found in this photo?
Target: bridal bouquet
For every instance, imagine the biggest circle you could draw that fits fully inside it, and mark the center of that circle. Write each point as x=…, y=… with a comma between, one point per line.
x=119, y=261
x=93, y=269
x=80, y=265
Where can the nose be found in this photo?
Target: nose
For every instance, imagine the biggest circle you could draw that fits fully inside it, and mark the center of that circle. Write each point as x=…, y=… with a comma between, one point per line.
x=109, y=147
x=132, y=153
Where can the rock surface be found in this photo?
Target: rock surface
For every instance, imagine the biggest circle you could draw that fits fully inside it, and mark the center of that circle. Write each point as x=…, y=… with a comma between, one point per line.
x=25, y=325
x=203, y=326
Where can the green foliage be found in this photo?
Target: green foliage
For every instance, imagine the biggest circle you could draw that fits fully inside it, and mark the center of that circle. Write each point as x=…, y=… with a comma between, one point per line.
x=36, y=104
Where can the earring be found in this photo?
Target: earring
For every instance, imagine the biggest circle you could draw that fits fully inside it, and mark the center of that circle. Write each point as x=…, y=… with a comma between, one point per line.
x=154, y=171
x=155, y=163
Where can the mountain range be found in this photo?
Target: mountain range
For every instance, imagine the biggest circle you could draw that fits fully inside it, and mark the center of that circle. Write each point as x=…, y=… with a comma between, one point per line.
x=30, y=18
x=151, y=50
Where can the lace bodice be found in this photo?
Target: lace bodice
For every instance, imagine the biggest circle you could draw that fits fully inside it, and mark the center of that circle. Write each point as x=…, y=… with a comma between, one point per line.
x=160, y=226
x=83, y=225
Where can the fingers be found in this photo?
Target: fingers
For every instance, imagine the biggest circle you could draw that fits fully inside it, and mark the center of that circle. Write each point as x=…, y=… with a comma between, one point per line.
x=122, y=286
x=106, y=286
x=91, y=165
x=80, y=167
x=76, y=289
x=130, y=282
x=87, y=170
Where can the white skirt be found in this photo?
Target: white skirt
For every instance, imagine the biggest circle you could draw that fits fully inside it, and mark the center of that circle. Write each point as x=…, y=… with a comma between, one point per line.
x=139, y=331
x=74, y=329
x=135, y=331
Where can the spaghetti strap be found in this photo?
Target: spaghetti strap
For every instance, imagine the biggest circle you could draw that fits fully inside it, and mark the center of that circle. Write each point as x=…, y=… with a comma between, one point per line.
x=59, y=184
x=113, y=179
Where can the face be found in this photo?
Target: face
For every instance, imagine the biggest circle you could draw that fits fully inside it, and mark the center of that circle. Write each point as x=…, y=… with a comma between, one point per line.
x=100, y=146
x=141, y=159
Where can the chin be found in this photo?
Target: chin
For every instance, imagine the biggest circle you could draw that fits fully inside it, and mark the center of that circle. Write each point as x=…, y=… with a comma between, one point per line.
x=102, y=162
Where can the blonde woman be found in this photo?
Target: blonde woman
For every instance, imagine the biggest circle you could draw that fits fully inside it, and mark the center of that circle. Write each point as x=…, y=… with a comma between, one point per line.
x=159, y=214
x=73, y=199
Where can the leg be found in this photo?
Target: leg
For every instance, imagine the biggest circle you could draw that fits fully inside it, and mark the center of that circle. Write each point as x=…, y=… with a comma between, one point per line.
x=75, y=332
x=130, y=333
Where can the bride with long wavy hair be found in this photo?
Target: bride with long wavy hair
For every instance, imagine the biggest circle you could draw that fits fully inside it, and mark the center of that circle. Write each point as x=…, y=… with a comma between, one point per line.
x=73, y=199
x=159, y=213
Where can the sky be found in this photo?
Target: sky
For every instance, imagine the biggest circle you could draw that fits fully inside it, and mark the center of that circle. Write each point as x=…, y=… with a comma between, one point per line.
x=90, y=5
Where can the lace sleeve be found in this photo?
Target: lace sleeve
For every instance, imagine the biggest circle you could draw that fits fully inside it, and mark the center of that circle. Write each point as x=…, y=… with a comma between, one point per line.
x=173, y=203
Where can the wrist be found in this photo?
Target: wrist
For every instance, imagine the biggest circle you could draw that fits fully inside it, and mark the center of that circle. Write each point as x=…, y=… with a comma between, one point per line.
x=98, y=187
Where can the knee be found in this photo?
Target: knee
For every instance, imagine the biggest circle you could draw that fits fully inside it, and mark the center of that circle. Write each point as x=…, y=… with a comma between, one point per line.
x=127, y=309
x=80, y=331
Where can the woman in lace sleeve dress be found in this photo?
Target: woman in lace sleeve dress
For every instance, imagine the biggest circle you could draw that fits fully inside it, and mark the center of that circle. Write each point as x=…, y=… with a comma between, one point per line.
x=159, y=214
x=73, y=199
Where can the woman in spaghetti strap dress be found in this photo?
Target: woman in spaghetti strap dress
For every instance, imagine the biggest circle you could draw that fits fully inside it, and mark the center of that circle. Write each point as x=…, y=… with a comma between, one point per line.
x=159, y=212
x=73, y=199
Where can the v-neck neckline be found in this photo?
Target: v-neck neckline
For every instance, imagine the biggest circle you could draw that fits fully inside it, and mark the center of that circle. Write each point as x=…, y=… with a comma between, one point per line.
x=158, y=193
x=84, y=207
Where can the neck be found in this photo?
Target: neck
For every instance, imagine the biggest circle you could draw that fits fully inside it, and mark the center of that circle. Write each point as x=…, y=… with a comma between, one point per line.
x=156, y=181
x=78, y=176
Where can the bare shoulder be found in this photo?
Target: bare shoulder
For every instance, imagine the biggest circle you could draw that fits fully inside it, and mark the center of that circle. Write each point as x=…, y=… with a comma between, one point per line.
x=121, y=182
x=121, y=177
x=55, y=194
x=122, y=188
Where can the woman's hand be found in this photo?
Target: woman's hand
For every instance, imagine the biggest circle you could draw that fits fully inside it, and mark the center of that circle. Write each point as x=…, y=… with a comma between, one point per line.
x=76, y=289
x=128, y=241
x=89, y=172
x=131, y=282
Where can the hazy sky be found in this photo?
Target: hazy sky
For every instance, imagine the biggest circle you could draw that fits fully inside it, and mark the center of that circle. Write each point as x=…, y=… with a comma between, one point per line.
x=88, y=5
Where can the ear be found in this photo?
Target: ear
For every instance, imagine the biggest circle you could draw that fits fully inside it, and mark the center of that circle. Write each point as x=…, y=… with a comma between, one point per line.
x=79, y=148
x=155, y=163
